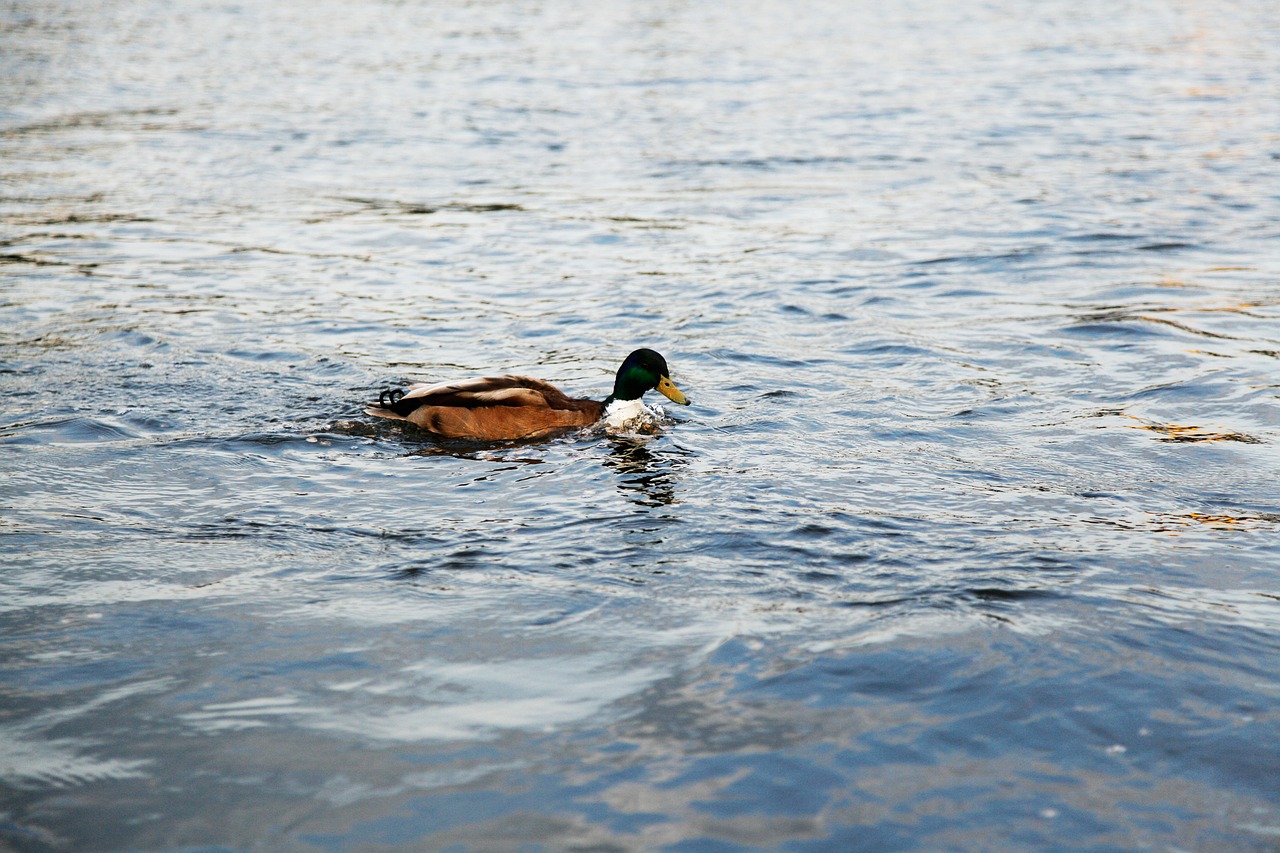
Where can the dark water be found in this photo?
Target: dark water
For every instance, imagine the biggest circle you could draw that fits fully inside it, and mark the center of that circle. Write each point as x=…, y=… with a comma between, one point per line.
x=969, y=540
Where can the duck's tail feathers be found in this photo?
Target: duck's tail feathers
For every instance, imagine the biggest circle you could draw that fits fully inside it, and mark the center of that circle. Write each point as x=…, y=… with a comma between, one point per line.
x=386, y=405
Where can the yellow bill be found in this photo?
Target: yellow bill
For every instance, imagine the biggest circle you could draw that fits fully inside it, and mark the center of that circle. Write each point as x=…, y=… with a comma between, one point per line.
x=668, y=389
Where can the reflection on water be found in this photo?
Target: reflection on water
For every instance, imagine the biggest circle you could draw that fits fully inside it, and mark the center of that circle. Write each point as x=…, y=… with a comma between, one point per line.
x=648, y=479
x=1178, y=432
x=968, y=540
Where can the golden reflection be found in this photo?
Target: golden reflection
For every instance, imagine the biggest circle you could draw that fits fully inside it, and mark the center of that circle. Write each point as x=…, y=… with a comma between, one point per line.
x=1222, y=521
x=1190, y=433
x=1218, y=521
x=1245, y=308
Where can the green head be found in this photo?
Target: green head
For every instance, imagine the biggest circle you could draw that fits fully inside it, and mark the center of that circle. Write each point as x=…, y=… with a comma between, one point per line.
x=644, y=370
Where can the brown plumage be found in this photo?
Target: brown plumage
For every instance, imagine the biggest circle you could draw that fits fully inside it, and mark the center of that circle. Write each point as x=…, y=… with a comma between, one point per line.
x=503, y=408
x=493, y=408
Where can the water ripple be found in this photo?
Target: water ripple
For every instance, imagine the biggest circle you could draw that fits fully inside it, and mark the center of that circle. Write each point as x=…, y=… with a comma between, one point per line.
x=968, y=540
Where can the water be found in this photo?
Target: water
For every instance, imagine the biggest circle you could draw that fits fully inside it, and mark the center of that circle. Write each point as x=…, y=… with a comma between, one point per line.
x=969, y=540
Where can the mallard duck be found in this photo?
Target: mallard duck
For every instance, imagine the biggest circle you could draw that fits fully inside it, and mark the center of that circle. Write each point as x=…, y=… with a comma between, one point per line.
x=503, y=408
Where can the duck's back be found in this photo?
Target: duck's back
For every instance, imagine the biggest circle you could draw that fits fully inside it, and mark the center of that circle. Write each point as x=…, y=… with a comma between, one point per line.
x=492, y=408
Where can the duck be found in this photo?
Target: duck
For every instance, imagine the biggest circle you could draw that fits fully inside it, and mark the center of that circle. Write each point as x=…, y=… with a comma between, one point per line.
x=510, y=408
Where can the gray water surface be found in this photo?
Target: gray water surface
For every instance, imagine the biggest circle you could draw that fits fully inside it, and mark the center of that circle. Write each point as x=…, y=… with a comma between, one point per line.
x=968, y=541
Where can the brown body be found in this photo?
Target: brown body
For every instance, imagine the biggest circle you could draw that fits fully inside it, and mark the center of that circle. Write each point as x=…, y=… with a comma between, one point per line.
x=495, y=408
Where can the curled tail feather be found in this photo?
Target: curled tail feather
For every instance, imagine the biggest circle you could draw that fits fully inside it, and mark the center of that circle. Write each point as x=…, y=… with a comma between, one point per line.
x=385, y=407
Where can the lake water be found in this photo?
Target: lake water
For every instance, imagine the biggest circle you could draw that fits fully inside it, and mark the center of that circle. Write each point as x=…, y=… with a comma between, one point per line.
x=968, y=541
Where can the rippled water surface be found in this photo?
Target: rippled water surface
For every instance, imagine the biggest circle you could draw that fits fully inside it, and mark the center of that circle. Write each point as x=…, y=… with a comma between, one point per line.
x=968, y=541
